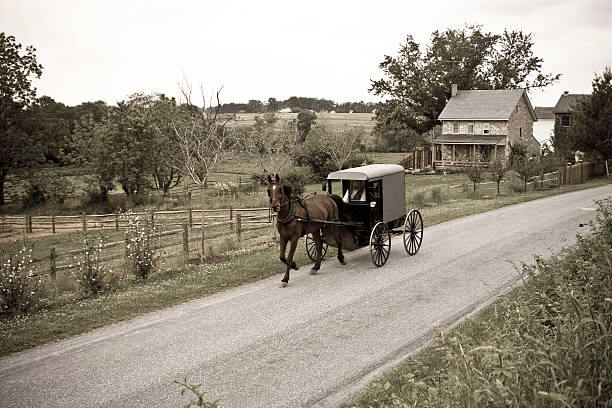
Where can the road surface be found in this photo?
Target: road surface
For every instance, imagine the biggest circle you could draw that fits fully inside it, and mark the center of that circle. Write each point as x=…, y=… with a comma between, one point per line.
x=313, y=344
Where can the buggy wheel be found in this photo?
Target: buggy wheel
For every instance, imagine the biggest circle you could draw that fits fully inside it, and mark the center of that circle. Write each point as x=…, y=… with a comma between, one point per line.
x=380, y=244
x=413, y=232
x=311, y=247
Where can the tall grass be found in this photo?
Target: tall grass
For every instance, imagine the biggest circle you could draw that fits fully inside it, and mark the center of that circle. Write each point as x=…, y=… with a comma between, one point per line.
x=547, y=344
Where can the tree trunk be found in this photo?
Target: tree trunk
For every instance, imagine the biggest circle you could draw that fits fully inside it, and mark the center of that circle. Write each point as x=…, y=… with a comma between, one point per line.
x=498, y=188
x=3, y=173
x=202, y=257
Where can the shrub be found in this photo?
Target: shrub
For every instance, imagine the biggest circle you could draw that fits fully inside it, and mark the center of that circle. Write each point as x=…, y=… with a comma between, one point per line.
x=90, y=273
x=18, y=284
x=436, y=195
x=41, y=189
x=406, y=162
x=141, y=238
x=225, y=188
x=297, y=178
x=418, y=199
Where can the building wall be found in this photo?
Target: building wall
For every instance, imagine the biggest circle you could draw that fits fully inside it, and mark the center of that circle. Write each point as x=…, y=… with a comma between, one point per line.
x=495, y=127
x=543, y=130
x=521, y=118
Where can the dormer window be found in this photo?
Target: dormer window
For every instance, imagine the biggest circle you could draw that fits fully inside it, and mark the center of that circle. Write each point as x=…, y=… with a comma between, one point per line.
x=485, y=129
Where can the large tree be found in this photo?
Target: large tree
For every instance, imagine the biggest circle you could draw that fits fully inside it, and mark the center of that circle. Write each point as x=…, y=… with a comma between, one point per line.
x=17, y=68
x=417, y=81
x=592, y=118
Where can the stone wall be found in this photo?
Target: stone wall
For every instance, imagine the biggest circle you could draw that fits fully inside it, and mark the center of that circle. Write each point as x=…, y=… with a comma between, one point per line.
x=521, y=118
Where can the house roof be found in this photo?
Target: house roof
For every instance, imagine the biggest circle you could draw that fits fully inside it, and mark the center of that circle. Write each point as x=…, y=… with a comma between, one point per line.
x=368, y=172
x=480, y=104
x=471, y=139
x=566, y=102
x=544, y=112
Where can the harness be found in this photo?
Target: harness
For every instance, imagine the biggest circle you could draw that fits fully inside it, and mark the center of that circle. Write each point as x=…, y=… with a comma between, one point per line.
x=290, y=214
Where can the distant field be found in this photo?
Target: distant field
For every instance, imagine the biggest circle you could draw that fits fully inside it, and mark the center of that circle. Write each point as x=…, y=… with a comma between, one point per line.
x=331, y=120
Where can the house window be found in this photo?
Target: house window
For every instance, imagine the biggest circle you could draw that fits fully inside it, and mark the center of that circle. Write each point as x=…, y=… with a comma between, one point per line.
x=470, y=128
x=521, y=132
x=455, y=127
x=565, y=120
x=485, y=129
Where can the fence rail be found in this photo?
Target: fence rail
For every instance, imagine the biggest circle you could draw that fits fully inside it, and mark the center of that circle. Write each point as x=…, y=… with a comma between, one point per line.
x=11, y=224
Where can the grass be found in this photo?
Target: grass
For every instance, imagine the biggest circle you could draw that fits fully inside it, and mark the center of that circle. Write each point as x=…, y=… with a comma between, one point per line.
x=58, y=316
x=546, y=344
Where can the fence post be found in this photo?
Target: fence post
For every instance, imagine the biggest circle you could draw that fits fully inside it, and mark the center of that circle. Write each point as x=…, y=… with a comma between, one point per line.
x=52, y=262
x=30, y=224
x=190, y=217
x=127, y=246
x=3, y=224
x=116, y=221
x=231, y=217
x=185, y=242
x=53, y=224
x=84, y=223
x=238, y=226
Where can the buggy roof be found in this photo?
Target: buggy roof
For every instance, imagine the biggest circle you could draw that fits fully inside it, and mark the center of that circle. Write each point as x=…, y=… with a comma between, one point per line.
x=369, y=172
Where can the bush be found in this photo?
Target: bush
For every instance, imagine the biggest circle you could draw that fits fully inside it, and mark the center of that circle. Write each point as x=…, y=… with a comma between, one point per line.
x=297, y=178
x=18, y=285
x=41, y=189
x=90, y=272
x=418, y=199
x=406, y=162
x=225, y=188
x=140, y=233
x=436, y=195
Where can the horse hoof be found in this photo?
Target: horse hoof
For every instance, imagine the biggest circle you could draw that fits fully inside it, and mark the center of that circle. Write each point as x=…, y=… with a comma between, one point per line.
x=294, y=266
x=283, y=284
x=343, y=262
x=314, y=271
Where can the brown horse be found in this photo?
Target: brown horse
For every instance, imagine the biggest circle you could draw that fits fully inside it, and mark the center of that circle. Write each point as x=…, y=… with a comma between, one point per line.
x=298, y=217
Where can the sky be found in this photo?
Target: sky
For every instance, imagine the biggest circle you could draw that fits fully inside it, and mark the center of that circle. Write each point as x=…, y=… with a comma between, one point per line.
x=107, y=50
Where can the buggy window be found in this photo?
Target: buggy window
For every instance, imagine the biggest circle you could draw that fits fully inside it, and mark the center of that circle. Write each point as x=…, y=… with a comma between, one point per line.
x=375, y=189
x=357, y=190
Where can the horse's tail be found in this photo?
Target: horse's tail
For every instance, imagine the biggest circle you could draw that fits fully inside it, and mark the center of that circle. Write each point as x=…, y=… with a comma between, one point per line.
x=339, y=204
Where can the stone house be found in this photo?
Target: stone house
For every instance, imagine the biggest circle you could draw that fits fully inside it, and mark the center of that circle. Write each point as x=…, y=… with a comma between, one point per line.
x=479, y=126
x=563, y=121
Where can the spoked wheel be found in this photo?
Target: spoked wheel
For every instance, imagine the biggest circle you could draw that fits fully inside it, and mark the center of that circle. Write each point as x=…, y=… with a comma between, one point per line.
x=380, y=244
x=311, y=248
x=413, y=232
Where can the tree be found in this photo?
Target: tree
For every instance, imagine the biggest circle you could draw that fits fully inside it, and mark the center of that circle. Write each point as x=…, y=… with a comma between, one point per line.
x=498, y=171
x=272, y=105
x=341, y=145
x=474, y=172
x=592, y=119
x=418, y=82
x=204, y=140
x=272, y=149
x=526, y=167
x=254, y=106
x=16, y=92
x=305, y=121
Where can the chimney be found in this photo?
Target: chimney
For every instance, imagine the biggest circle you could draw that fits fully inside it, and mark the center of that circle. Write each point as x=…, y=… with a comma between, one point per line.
x=566, y=93
x=453, y=90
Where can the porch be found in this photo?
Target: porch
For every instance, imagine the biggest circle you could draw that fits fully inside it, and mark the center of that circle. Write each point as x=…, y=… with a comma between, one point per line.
x=457, y=151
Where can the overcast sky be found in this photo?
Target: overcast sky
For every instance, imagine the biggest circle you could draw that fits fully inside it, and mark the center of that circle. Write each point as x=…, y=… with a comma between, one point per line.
x=108, y=49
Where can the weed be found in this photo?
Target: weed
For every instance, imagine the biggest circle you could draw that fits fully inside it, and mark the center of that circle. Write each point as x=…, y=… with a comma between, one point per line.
x=90, y=273
x=18, y=284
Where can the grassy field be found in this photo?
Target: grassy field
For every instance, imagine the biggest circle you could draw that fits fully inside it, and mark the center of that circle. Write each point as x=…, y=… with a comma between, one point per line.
x=65, y=311
x=334, y=121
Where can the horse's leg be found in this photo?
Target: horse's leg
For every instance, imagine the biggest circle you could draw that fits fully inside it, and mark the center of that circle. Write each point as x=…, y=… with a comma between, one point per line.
x=290, y=263
x=283, y=248
x=316, y=236
x=339, y=243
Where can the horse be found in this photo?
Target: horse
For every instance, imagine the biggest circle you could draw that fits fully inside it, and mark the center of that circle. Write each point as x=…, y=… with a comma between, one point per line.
x=298, y=217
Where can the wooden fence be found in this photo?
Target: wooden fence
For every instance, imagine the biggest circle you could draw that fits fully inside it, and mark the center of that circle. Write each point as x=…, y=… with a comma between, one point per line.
x=582, y=171
x=56, y=262
x=18, y=224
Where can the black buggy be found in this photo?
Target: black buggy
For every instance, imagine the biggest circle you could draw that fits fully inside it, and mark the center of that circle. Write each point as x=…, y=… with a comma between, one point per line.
x=375, y=206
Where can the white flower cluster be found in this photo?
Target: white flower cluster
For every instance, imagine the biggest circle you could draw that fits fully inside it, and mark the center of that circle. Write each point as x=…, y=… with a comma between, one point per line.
x=18, y=283
x=141, y=243
x=225, y=188
x=90, y=273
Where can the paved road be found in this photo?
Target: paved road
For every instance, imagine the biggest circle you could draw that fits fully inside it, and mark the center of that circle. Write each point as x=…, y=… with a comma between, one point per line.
x=312, y=344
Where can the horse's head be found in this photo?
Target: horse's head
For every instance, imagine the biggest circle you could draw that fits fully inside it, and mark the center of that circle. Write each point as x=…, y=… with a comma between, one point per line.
x=275, y=192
